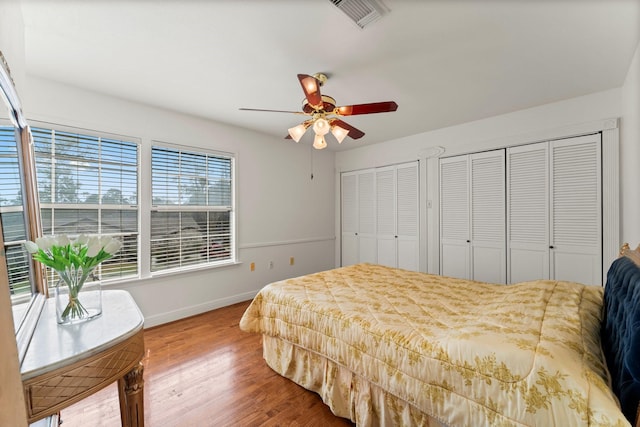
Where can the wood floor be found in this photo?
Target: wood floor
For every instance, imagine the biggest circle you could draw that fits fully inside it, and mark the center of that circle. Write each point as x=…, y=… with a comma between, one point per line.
x=204, y=371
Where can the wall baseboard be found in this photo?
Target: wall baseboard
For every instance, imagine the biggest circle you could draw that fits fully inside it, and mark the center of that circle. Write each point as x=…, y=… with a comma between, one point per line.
x=193, y=310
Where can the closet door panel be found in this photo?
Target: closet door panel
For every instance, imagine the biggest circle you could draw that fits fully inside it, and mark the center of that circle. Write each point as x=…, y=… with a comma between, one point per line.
x=528, y=206
x=386, y=216
x=576, y=266
x=454, y=217
x=408, y=216
x=576, y=226
x=488, y=244
x=529, y=264
x=349, y=223
x=408, y=251
x=367, y=251
x=387, y=251
x=350, y=245
x=488, y=264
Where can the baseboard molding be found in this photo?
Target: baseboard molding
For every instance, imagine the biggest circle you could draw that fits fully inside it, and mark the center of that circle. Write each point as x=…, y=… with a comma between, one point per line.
x=170, y=316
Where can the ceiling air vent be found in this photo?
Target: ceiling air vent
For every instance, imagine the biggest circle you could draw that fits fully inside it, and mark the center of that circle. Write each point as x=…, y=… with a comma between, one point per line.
x=362, y=12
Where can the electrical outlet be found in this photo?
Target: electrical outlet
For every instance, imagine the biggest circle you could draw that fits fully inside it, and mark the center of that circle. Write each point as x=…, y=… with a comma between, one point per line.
x=270, y=265
x=291, y=261
x=253, y=266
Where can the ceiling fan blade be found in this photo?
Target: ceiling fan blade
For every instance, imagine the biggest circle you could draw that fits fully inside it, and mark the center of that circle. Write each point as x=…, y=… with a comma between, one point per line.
x=271, y=111
x=374, y=107
x=311, y=88
x=354, y=133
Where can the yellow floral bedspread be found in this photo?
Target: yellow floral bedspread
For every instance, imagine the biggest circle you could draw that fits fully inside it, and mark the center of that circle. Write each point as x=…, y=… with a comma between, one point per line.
x=463, y=352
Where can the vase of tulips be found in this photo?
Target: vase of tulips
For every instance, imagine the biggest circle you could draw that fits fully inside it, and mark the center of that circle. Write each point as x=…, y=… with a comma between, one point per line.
x=74, y=260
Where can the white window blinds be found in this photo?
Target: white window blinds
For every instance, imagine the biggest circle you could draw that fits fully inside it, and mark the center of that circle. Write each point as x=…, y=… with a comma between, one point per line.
x=12, y=216
x=192, y=212
x=89, y=184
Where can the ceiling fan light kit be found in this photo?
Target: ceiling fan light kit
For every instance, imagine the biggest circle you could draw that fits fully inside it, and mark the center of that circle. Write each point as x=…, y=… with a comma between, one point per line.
x=325, y=115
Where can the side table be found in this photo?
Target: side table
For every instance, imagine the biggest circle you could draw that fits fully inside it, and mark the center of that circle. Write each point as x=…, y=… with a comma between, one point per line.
x=66, y=363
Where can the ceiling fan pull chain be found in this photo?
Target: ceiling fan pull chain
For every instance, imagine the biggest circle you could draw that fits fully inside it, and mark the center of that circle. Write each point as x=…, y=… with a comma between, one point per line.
x=311, y=160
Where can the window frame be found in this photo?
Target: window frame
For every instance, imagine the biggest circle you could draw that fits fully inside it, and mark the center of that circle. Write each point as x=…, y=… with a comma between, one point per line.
x=233, y=236
x=55, y=127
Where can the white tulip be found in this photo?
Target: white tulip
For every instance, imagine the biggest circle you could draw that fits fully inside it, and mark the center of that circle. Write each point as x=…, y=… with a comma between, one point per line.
x=94, y=246
x=82, y=239
x=113, y=246
x=32, y=248
x=44, y=243
x=62, y=240
x=105, y=240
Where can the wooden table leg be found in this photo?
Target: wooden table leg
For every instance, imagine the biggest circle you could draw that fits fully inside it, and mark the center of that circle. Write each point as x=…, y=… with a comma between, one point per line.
x=131, y=393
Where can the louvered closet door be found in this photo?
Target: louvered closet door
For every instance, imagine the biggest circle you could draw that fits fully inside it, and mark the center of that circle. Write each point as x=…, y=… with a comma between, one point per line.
x=349, y=205
x=454, y=217
x=367, y=248
x=488, y=222
x=407, y=232
x=576, y=209
x=527, y=201
x=386, y=215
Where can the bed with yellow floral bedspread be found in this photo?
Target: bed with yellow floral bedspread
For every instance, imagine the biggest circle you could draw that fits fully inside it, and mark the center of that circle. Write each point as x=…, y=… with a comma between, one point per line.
x=385, y=346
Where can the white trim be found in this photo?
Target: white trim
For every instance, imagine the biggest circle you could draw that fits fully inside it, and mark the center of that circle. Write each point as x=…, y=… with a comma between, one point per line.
x=610, y=198
x=193, y=310
x=286, y=242
x=568, y=131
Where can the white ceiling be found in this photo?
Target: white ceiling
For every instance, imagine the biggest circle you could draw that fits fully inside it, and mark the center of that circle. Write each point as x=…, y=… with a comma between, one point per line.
x=443, y=62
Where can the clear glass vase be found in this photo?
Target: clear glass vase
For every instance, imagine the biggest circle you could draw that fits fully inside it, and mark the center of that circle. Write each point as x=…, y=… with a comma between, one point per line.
x=76, y=300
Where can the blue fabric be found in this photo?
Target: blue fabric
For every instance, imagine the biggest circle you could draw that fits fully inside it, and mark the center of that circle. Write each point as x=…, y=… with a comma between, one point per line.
x=621, y=333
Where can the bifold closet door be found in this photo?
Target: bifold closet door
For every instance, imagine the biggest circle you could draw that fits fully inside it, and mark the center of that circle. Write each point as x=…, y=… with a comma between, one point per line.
x=386, y=216
x=397, y=216
x=555, y=210
x=472, y=217
x=488, y=217
x=528, y=206
x=454, y=217
x=380, y=217
x=367, y=245
x=349, y=218
x=358, y=206
x=408, y=216
x=576, y=210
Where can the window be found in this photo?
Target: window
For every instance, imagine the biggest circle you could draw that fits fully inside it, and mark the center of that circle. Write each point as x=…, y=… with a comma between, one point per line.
x=89, y=184
x=192, y=208
x=12, y=216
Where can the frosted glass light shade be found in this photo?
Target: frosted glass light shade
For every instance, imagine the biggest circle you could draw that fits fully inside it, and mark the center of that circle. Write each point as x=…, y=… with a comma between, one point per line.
x=321, y=127
x=297, y=132
x=319, y=143
x=339, y=133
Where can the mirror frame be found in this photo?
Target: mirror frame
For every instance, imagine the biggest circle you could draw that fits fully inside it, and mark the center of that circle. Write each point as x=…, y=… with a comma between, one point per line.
x=26, y=325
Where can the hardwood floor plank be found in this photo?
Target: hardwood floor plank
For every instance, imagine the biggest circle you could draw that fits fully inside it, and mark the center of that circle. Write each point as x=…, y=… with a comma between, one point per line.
x=204, y=371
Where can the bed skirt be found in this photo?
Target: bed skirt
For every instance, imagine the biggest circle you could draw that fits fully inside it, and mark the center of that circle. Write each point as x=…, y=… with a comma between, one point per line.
x=348, y=395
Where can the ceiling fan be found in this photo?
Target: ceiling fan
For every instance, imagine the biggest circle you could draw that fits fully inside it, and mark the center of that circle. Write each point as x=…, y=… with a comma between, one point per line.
x=324, y=115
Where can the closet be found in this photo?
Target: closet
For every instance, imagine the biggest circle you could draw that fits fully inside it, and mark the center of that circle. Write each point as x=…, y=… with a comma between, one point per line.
x=380, y=217
x=555, y=210
x=472, y=217
x=523, y=213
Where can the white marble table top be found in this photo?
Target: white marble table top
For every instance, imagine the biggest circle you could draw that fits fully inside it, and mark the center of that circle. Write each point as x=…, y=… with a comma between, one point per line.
x=53, y=346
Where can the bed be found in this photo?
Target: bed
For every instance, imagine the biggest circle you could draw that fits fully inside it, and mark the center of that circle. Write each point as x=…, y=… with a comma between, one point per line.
x=385, y=346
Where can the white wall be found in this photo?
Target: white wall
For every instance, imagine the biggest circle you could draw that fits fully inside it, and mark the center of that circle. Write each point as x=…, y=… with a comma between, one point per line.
x=530, y=125
x=630, y=154
x=282, y=213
